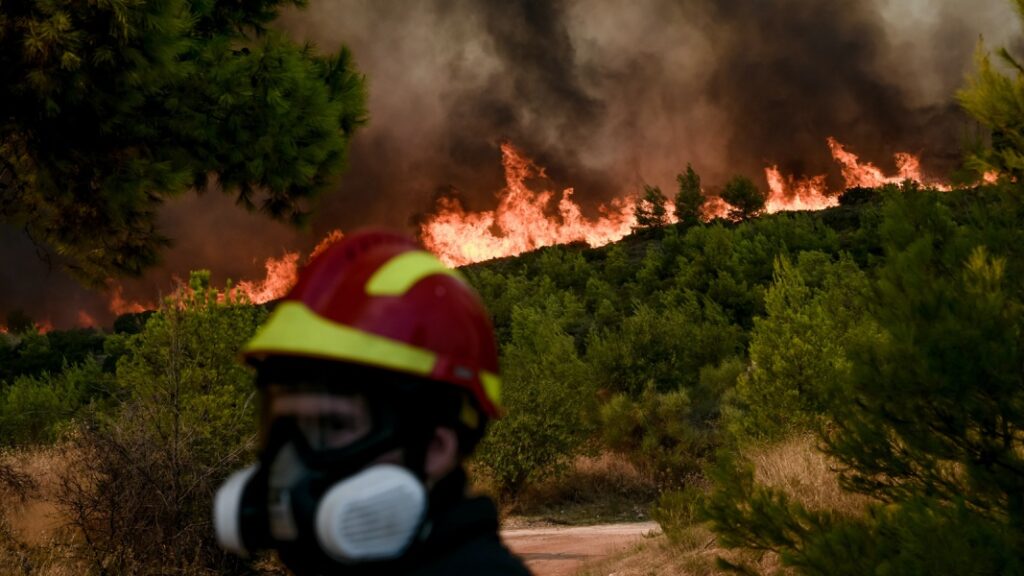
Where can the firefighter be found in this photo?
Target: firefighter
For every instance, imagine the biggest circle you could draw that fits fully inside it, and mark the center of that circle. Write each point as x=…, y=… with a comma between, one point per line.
x=377, y=373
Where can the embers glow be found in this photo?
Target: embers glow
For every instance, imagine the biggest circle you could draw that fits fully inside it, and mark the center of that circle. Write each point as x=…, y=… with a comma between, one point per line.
x=521, y=222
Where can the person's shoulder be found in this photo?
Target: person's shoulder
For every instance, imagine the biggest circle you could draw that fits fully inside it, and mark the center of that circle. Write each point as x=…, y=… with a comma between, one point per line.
x=483, y=554
x=466, y=541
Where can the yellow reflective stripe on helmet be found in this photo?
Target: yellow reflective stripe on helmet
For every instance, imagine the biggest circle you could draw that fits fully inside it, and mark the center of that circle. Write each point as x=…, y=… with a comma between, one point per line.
x=402, y=272
x=295, y=329
x=492, y=386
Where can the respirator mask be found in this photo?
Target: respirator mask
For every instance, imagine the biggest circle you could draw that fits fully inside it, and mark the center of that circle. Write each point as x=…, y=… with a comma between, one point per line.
x=320, y=494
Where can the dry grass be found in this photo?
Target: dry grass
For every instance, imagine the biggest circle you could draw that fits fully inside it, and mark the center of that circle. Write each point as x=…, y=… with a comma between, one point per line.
x=695, y=554
x=794, y=466
x=33, y=539
x=797, y=468
x=592, y=490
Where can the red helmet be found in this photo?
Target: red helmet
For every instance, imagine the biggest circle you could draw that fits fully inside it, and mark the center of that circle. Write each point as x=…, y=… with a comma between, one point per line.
x=377, y=299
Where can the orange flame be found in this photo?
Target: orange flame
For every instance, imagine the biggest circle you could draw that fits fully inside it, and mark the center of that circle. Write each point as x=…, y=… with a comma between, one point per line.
x=867, y=175
x=331, y=237
x=282, y=274
x=789, y=193
x=714, y=207
x=85, y=320
x=118, y=305
x=521, y=222
x=44, y=327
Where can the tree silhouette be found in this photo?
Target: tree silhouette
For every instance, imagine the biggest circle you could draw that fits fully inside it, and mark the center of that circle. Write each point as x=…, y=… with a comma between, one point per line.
x=110, y=108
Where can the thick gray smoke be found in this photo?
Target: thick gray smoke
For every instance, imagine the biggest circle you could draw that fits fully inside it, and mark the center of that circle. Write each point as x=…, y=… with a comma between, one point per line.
x=608, y=95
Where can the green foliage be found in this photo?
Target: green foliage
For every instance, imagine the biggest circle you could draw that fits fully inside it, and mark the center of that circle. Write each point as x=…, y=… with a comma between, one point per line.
x=929, y=418
x=918, y=536
x=113, y=107
x=36, y=410
x=689, y=199
x=745, y=198
x=997, y=102
x=663, y=346
x=187, y=422
x=938, y=406
x=798, y=350
x=677, y=511
x=659, y=433
x=547, y=396
x=650, y=211
x=19, y=322
x=31, y=354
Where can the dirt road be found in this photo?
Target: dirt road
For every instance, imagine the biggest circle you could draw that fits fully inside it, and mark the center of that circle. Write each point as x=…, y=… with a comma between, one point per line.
x=562, y=551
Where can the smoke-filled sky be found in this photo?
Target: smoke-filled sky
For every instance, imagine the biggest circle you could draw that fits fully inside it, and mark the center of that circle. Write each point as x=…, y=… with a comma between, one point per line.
x=608, y=95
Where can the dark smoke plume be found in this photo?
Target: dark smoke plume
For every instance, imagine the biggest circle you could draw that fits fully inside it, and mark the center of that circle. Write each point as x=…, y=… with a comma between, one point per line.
x=608, y=95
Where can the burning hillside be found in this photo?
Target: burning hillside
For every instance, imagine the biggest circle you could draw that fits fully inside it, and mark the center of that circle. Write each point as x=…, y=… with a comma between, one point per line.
x=527, y=219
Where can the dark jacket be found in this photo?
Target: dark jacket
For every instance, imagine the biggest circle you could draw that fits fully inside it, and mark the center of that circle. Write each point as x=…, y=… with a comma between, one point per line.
x=464, y=540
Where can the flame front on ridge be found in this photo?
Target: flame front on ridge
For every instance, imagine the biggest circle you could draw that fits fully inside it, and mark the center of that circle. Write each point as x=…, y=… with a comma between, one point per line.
x=521, y=222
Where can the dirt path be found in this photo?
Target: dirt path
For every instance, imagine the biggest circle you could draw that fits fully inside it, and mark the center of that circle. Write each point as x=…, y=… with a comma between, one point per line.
x=562, y=551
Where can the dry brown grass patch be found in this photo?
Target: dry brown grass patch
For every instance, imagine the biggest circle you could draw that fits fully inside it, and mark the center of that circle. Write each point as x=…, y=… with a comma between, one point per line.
x=695, y=554
x=33, y=537
x=799, y=469
x=592, y=489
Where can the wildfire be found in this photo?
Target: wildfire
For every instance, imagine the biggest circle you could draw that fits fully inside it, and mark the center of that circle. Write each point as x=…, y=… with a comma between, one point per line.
x=281, y=276
x=521, y=222
x=867, y=175
x=789, y=193
x=85, y=320
x=524, y=220
x=331, y=237
x=118, y=305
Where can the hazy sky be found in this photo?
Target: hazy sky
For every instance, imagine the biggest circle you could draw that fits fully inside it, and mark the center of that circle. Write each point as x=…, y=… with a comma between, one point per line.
x=608, y=95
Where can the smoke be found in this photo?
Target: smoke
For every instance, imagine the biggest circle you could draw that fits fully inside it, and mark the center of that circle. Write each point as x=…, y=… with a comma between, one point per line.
x=608, y=95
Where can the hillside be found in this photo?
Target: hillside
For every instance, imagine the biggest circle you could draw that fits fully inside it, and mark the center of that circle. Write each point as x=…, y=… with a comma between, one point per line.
x=641, y=378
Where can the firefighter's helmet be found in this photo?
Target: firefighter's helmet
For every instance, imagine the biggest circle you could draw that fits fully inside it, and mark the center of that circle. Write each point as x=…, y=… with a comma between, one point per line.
x=376, y=299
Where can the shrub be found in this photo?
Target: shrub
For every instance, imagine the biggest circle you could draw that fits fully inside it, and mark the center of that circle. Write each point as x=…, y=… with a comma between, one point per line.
x=659, y=434
x=142, y=482
x=546, y=395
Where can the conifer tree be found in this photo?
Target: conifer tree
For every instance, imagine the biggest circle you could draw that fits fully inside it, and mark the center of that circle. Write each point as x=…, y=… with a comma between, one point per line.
x=690, y=198
x=650, y=209
x=996, y=101
x=930, y=423
x=111, y=107
x=745, y=198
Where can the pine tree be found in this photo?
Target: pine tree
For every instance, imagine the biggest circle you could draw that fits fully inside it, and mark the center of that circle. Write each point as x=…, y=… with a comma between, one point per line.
x=997, y=102
x=745, y=198
x=930, y=422
x=689, y=199
x=650, y=209
x=112, y=107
